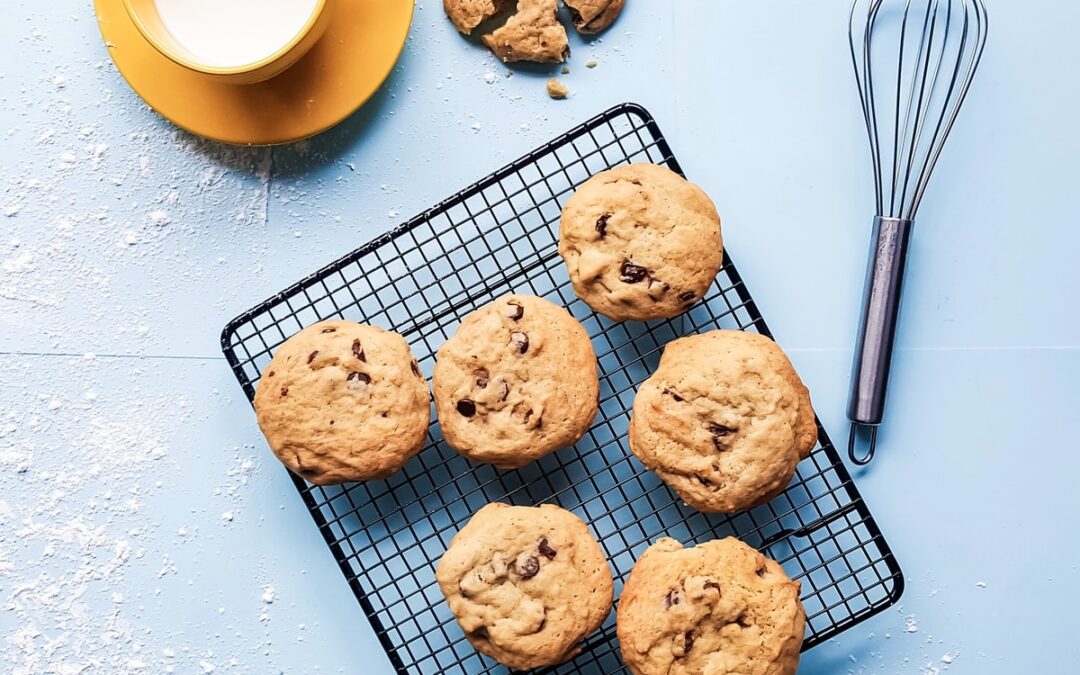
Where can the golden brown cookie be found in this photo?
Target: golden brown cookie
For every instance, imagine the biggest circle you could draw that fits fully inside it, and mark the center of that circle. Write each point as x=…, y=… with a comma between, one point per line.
x=532, y=34
x=526, y=584
x=640, y=242
x=468, y=14
x=724, y=420
x=342, y=401
x=592, y=16
x=720, y=608
x=516, y=381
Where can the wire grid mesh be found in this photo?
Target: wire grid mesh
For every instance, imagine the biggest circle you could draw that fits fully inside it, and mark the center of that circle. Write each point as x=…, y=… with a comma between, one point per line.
x=496, y=237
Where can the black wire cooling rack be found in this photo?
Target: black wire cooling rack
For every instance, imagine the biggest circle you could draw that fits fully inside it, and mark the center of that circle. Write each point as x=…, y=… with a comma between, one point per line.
x=496, y=237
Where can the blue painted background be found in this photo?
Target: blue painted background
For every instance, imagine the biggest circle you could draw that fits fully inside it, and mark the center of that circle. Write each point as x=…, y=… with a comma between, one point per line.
x=125, y=245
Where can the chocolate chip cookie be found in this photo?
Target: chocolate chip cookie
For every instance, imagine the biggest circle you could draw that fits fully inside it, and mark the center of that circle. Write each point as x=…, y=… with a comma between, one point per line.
x=592, y=16
x=526, y=584
x=532, y=34
x=342, y=401
x=640, y=242
x=515, y=382
x=724, y=420
x=719, y=608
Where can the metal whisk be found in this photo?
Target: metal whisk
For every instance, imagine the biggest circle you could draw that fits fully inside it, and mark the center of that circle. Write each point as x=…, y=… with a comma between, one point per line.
x=923, y=54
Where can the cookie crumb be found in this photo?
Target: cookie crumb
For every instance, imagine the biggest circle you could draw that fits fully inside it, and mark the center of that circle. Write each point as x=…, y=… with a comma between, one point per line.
x=566, y=70
x=592, y=63
x=556, y=89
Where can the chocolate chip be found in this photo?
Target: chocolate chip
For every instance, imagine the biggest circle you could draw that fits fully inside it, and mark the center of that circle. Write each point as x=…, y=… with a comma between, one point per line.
x=480, y=633
x=520, y=342
x=481, y=377
x=506, y=391
x=416, y=369
x=631, y=273
x=358, y=351
x=712, y=584
x=516, y=311
x=743, y=621
x=635, y=181
x=530, y=569
x=719, y=434
x=328, y=330
x=719, y=429
x=466, y=407
x=270, y=374
x=674, y=395
x=362, y=377
x=672, y=598
x=312, y=355
x=528, y=414
x=331, y=422
x=688, y=641
x=601, y=224
x=284, y=391
x=545, y=549
x=686, y=296
x=762, y=571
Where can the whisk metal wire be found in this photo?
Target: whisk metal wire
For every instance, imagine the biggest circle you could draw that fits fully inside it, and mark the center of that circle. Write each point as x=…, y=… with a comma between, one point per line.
x=938, y=51
x=924, y=104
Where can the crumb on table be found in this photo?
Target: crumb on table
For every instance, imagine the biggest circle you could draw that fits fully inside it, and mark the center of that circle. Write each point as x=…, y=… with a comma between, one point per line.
x=591, y=63
x=556, y=89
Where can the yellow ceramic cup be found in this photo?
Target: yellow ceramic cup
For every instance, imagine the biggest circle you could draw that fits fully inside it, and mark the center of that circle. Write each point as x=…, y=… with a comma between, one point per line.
x=145, y=16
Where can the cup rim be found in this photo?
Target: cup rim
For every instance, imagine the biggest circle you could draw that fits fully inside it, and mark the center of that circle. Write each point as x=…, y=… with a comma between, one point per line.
x=152, y=38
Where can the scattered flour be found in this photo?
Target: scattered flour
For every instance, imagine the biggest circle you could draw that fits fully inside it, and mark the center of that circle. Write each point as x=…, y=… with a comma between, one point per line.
x=911, y=625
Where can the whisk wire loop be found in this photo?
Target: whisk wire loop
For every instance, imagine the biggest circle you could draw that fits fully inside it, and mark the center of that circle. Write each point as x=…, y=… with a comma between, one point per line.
x=936, y=48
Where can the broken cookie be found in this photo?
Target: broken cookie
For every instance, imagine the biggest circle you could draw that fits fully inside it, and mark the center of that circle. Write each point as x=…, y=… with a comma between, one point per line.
x=533, y=34
x=592, y=16
x=468, y=14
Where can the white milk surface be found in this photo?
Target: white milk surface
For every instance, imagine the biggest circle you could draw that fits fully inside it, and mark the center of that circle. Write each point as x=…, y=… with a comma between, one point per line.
x=228, y=33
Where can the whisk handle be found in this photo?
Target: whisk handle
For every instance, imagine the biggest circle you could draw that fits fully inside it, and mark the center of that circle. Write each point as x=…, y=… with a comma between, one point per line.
x=877, y=325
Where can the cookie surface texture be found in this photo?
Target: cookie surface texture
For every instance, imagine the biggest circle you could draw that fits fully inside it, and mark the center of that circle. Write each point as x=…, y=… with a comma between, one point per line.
x=516, y=381
x=720, y=608
x=640, y=242
x=724, y=420
x=526, y=584
x=532, y=34
x=342, y=401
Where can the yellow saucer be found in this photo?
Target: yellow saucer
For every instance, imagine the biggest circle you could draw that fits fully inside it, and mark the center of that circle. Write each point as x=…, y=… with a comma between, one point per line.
x=340, y=73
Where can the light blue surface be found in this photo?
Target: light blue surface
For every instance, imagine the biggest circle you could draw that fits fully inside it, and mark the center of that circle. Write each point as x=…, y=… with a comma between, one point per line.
x=134, y=243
